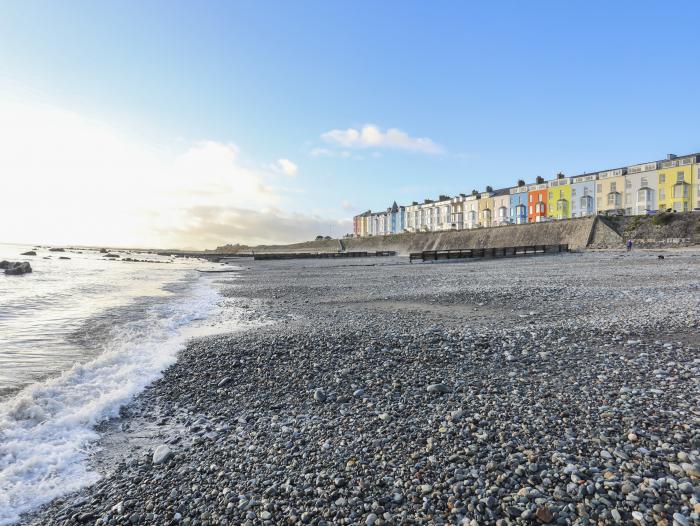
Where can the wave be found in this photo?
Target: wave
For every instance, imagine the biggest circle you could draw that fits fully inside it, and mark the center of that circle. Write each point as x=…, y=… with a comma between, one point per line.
x=45, y=428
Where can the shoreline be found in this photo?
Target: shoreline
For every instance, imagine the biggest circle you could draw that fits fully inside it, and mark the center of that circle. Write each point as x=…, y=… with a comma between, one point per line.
x=554, y=389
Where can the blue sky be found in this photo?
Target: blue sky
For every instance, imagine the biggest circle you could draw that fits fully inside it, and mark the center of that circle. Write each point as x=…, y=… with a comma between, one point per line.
x=498, y=90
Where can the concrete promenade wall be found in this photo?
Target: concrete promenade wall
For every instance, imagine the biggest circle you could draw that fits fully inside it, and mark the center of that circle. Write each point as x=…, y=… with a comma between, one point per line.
x=575, y=232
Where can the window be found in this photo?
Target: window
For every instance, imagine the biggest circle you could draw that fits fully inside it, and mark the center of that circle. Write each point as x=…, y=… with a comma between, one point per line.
x=600, y=188
x=531, y=197
x=551, y=194
x=573, y=192
x=561, y=194
x=662, y=178
x=662, y=194
x=644, y=195
x=644, y=182
x=613, y=187
x=679, y=177
x=680, y=190
x=628, y=183
x=531, y=209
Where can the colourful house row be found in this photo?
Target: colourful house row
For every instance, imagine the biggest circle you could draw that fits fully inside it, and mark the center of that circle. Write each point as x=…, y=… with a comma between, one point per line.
x=671, y=184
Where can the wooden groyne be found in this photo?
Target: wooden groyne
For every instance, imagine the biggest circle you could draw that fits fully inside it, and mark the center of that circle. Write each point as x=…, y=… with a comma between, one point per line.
x=321, y=255
x=493, y=252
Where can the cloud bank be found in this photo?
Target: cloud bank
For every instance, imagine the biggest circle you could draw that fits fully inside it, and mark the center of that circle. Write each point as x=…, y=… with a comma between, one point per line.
x=69, y=180
x=371, y=136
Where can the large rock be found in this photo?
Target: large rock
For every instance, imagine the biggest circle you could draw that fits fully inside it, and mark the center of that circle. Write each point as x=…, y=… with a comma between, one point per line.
x=162, y=454
x=15, y=268
x=28, y=253
x=55, y=249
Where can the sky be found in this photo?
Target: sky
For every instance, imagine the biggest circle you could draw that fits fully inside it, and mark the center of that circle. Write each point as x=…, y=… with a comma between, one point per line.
x=195, y=124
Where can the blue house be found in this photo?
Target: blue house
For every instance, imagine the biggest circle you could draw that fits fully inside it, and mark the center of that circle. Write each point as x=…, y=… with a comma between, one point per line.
x=397, y=218
x=518, y=205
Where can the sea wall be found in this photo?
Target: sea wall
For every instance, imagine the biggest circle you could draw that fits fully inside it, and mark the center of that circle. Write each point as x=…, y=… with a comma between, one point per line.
x=574, y=232
x=663, y=230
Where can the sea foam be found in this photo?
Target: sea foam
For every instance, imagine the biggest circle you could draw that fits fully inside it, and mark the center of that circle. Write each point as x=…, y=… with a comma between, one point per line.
x=46, y=428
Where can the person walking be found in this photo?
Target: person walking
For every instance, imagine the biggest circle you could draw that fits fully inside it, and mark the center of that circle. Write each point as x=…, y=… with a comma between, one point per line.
x=629, y=245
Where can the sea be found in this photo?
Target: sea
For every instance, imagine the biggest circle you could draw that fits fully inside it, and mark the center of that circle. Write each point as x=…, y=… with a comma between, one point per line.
x=79, y=338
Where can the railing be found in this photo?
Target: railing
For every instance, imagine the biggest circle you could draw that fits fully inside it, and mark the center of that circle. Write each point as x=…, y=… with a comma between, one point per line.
x=494, y=252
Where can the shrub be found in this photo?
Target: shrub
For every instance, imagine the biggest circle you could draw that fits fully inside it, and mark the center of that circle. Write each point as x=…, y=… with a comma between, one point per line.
x=662, y=218
x=632, y=225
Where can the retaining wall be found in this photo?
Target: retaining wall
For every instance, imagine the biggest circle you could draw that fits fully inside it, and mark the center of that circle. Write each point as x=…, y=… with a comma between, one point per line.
x=574, y=232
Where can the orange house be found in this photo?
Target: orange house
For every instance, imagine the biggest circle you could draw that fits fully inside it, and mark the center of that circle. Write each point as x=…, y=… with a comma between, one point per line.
x=536, y=203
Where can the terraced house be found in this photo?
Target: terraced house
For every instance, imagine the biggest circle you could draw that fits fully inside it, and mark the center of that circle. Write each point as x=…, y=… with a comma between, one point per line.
x=670, y=184
x=559, y=197
x=676, y=189
x=536, y=202
x=583, y=195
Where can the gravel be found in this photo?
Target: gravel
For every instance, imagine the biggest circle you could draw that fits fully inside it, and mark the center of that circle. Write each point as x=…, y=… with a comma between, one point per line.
x=558, y=390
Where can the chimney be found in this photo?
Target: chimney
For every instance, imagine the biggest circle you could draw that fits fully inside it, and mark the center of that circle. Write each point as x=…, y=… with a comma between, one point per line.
x=671, y=156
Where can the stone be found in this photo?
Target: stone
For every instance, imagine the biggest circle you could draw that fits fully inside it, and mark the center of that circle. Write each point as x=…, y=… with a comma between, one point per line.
x=224, y=381
x=162, y=454
x=544, y=515
x=438, y=388
x=28, y=253
x=320, y=395
x=691, y=470
x=16, y=268
x=680, y=519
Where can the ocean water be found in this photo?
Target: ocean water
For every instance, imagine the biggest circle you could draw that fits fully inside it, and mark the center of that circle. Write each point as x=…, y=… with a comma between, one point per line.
x=80, y=338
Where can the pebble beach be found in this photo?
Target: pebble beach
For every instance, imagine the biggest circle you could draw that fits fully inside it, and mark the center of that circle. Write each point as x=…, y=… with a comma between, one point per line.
x=547, y=390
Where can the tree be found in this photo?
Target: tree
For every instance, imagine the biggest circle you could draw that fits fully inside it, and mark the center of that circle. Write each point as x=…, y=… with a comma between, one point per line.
x=489, y=188
x=319, y=238
x=539, y=179
x=474, y=192
x=560, y=175
x=521, y=182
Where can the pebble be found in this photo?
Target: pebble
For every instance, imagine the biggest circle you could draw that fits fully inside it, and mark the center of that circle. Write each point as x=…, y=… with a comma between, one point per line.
x=438, y=388
x=162, y=454
x=337, y=418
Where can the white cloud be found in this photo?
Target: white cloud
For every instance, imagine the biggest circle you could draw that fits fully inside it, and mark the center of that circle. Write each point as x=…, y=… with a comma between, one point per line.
x=69, y=180
x=347, y=205
x=286, y=167
x=371, y=136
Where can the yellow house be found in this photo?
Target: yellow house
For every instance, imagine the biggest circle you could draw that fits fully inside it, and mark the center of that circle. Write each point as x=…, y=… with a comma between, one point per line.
x=609, y=190
x=696, y=182
x=486, y=214
x=677, y=184
x=559, y=197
